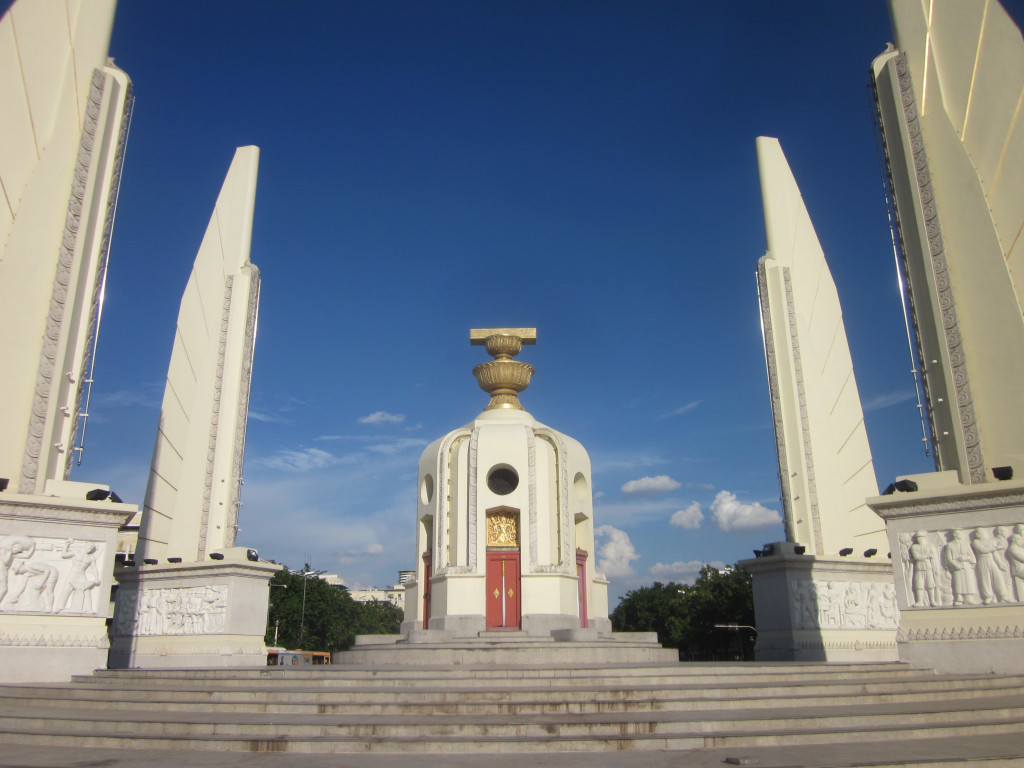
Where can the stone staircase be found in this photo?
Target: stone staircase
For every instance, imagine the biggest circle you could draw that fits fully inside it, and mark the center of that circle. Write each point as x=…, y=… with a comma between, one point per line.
x=510, y=708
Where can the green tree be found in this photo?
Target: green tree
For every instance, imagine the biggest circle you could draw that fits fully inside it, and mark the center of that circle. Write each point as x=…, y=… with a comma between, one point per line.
x=379, y=617
x=331, y=618
x=685, y=615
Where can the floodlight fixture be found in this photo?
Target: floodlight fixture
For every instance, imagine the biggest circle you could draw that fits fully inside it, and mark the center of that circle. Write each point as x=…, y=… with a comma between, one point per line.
x=845, y=551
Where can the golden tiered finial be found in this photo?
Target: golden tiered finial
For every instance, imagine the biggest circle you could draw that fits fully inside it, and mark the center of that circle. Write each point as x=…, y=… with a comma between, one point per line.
x=503, y=378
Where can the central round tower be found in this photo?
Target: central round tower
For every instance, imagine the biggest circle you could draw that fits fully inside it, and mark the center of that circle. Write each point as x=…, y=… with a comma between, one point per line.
x=505, y=534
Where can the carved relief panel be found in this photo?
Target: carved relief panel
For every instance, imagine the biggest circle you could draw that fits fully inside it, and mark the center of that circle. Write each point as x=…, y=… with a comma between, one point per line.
x=47, y=575
x=172, y=611
x=843, y=605
x=963, y=566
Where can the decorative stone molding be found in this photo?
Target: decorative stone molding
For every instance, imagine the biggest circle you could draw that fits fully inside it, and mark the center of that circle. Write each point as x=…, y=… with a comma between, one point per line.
x=449, y=454
x=805, y=423
x=988, y=497
x=564, y=564
x=45, y=384
x=940, y=273
x=776, y=398
x=961, y=633
x=238, y=454
x=829, y=645
x=37, y=640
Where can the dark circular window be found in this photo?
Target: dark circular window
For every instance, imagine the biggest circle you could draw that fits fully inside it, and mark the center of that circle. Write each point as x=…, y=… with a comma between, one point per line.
x=502, y=480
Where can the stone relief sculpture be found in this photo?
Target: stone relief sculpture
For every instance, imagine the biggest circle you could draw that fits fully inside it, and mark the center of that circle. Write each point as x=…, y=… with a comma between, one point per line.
x=960, y=561
x=35, y=579
x=970, y=566
x=1015, y=556
x=993, y=569
x=78, y=590
x=843, y=605
x=925, y=562
x=174, y=611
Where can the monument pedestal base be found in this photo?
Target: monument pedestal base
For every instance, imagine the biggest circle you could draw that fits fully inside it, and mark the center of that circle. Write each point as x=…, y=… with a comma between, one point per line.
x=56, y=561
x=191, y=615
x=822, y=609
x=958, y=566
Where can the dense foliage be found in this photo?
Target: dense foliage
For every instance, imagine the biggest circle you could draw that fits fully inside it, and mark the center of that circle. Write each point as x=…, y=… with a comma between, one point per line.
x=685, y=615
x=331, y=618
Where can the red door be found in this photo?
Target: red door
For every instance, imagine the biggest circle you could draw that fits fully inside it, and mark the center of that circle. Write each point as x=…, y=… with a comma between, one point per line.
x=426, y=589
x=503, y=602
x=581, y=585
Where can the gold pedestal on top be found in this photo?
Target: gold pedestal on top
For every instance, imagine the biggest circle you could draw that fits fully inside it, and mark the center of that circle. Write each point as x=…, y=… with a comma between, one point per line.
x=503, y=378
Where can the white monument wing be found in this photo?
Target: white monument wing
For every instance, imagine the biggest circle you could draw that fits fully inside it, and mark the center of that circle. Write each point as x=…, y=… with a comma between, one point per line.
x=825, y=465
x=192, y=499
x=62, y=128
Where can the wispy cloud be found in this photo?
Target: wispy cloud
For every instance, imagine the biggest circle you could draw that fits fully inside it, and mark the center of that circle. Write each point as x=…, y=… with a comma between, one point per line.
x=268, y=417
x=884, y=401
x=729, y=514
x=689, y=518
x=382, y=417
x=615, y=552
x=302, y=460
x=648, y=486
x=682, y=571
x=609, y=462
x=397, y=445
x=681, y=410
x=148, y=396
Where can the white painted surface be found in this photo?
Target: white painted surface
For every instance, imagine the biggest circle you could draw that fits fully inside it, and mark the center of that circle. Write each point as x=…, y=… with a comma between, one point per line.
x=59, y=170
x=960, y=198
x=192, y=497
x=825, y=463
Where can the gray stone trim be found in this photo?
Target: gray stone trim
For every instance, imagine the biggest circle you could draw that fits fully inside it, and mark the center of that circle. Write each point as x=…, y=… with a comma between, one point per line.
x=805, y=424
x=977, y=632
x=238, y=455
x=61, y=288
x=940, y=274
x=42, y=640
x=776, y=398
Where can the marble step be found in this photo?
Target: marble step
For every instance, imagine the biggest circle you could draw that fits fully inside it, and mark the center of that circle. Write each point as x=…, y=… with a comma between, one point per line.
x=332, y=676
x=192, y=724
x=428, y=741
x=537, y=700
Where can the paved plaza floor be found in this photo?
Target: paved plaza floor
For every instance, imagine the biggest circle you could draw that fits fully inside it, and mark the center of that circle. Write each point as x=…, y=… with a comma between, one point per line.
x=998, y=751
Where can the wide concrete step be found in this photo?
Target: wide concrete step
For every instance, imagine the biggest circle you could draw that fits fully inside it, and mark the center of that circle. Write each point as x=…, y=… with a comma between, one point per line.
x=520, y=709
x=549, y=699
x=428, y=742
x=334, y=677
x=1008, y=709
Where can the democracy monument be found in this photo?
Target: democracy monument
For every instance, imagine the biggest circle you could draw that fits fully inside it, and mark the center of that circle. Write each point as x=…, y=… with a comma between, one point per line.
x=930, y=572
x=506, y=644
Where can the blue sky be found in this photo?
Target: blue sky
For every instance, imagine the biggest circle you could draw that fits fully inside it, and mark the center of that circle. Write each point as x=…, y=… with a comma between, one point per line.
x=587, y=168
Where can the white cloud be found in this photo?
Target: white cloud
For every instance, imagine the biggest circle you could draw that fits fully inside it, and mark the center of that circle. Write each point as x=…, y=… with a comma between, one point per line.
x=302, y=461
x=382, y=417
x=615, y=552
x=647, y=486
x=731, y=515
x=681, y=410
x=397, y=445
x=688, y=518
x=891, y=398
x=268, y=417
